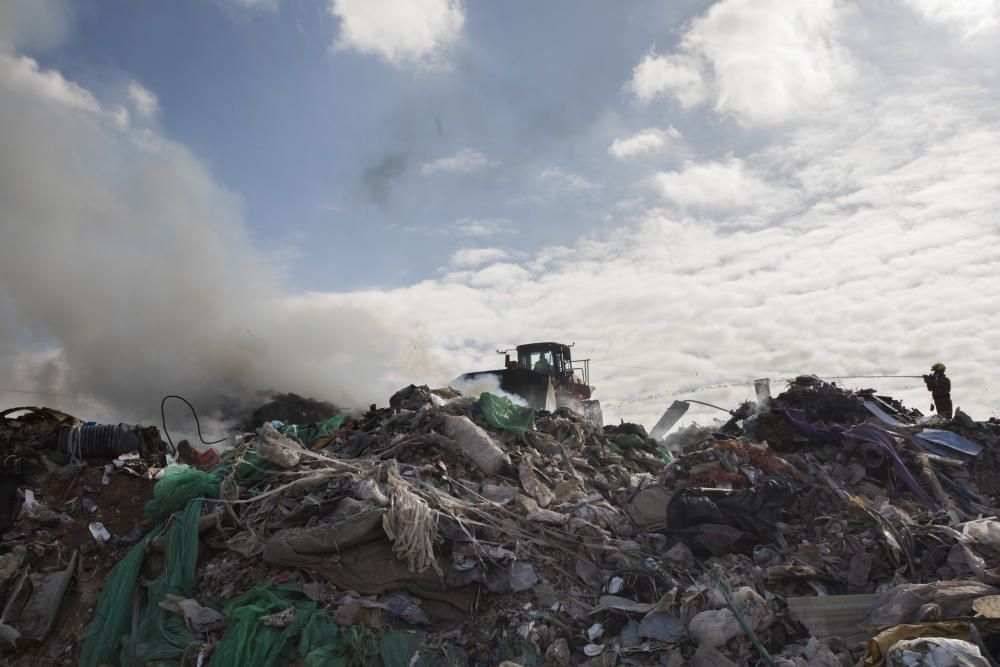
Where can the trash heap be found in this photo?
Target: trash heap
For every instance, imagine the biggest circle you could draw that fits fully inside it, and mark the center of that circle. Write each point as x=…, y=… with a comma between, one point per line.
x=824, y=527
x=71, y=498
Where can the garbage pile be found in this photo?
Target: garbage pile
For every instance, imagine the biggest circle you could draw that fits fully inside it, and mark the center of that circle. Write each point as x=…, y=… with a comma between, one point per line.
x=71, y=497
x=826, y=527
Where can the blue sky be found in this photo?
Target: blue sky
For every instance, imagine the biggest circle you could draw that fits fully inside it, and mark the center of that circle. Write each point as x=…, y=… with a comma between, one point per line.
x=325, y=147
x=338, y=197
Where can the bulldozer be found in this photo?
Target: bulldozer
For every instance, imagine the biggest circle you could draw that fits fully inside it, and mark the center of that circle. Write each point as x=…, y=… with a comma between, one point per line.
x=545, y=377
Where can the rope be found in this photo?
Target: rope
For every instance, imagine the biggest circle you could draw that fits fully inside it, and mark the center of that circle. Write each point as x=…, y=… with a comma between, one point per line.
x=73, y=445
x=410, y=524
x=690, y=400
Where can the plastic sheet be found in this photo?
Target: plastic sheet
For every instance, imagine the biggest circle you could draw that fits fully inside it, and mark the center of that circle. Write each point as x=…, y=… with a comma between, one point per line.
x=502, y=413
x=950, y=440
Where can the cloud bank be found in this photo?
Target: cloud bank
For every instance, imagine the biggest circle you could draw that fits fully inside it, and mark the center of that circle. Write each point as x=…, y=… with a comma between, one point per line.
x=860, y=239
x=762, y=62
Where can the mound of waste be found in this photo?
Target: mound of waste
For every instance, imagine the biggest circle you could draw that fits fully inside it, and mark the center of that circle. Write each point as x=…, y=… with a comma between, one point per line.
x=830, y=528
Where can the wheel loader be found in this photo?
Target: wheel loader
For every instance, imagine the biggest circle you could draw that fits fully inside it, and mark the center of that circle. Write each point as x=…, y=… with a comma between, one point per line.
x=545, y=377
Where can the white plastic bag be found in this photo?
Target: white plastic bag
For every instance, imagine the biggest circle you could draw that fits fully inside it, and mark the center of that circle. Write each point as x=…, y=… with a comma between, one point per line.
x=476, y=444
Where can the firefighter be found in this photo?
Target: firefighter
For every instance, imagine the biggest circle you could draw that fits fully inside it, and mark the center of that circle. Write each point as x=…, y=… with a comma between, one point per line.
x=940, y=387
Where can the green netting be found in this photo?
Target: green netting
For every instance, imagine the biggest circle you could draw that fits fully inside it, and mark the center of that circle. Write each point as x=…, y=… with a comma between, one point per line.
x=113, y=615
x=310, y=433
x=247, y=642
x=251, y=469
x=161, y=634
x=502, y=413
x=396, y=648
x=178, y=486
x=181, y=484
x=323, y=643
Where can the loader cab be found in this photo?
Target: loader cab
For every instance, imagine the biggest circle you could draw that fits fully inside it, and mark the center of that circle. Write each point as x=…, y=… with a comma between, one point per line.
x=553, y=359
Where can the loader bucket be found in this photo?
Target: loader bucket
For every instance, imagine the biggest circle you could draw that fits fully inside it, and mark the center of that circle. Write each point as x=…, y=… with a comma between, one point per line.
x=534, y=388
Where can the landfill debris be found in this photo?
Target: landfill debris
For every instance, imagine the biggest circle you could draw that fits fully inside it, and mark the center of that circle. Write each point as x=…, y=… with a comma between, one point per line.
x=988, y=606
x=935, y=652
x=51, y=566
x=276, y=448
x=199, y=619
x=32, y=605
x=99, y=532
x=819, y=527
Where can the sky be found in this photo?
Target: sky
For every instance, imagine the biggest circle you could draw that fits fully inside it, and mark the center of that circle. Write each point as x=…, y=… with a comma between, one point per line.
x=340, y=197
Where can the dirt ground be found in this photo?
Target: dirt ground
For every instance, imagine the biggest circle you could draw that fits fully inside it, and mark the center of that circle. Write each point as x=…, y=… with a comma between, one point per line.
x=119, y=507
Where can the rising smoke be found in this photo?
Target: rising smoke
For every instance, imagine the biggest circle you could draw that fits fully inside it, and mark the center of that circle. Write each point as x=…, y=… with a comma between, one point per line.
x=126, y=273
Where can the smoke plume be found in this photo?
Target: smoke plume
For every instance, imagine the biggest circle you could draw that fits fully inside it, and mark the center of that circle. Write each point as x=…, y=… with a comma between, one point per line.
x=126, y=273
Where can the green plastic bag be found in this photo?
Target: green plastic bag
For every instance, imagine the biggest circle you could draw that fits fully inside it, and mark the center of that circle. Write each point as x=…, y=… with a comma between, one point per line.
x=310, y=433
x=634, y=441
x=502, y=413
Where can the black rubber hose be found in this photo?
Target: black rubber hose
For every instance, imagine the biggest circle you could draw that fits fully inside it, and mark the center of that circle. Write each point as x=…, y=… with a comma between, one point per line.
x=163, y=418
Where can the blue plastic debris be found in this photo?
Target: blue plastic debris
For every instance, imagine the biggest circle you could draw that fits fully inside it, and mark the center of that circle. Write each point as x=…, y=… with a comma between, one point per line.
x=951, y=440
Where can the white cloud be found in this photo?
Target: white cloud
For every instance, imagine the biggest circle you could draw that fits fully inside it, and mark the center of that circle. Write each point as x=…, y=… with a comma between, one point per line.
x=646, y=141
x=23, y=75
x=464, y=161
x=898, y=242
x=560, y=181
x=967, y=16
x=401, y=31
x=884, y=258
x=120, y=116
x=714, y=186
x=901, y=247
x=467, y=227
x=482, y=227
x=678, y=74
x=143, y=100
x=471, y=257
x=760, y=61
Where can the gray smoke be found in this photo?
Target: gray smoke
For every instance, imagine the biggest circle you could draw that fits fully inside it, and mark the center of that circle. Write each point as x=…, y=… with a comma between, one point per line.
x=380, y=178
x=126, y=273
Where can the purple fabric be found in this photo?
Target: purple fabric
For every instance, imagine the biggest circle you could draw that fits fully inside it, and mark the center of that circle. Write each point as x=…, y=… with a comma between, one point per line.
x=868, y=433
x=864, y=434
